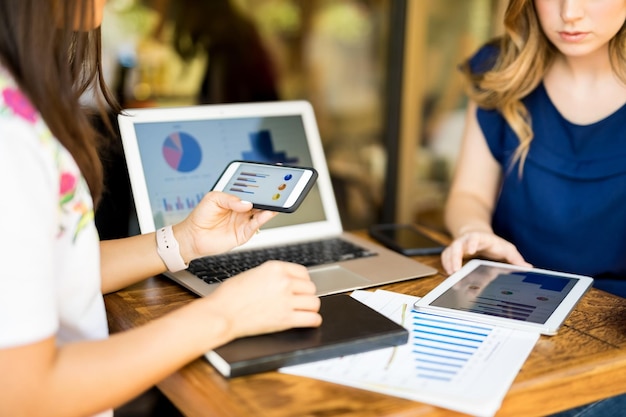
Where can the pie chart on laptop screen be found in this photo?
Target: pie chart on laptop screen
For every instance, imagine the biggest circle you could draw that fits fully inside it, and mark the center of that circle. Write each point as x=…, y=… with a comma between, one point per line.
x=182, y=152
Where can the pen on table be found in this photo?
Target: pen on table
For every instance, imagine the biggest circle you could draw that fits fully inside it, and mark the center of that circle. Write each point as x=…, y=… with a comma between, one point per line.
x=393, y=352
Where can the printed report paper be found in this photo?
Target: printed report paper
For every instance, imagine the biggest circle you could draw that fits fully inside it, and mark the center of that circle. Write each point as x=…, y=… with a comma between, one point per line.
x=456, y=364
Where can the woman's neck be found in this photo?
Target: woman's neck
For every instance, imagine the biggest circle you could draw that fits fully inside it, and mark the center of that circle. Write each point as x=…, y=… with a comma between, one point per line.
x=585, y=89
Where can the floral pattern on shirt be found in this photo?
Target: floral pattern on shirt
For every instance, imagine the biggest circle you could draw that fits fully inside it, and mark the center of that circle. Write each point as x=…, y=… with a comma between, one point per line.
x=15, y=103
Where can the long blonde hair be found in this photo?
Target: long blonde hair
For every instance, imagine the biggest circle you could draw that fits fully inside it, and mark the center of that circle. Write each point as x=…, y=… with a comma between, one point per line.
x=525, y=54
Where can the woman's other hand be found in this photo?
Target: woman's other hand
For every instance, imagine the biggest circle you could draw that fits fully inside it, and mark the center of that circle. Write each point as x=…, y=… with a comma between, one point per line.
x=480, y=243
x=271, y=297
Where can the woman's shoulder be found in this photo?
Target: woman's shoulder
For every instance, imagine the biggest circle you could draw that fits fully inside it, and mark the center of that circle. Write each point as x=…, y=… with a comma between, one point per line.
x=484, y=59
x=22, y=129
x=18, y=118
x=15, y=105
x=17, y=110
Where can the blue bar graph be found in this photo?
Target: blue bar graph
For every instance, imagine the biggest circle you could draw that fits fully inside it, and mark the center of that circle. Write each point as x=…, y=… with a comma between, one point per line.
x=180, y=203
x=442, y=346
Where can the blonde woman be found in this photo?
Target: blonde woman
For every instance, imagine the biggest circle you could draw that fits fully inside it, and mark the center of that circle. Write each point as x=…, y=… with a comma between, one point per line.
x=541, y=176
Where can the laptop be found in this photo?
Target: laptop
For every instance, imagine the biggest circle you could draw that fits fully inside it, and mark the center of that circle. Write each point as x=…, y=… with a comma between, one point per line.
x=175, y=155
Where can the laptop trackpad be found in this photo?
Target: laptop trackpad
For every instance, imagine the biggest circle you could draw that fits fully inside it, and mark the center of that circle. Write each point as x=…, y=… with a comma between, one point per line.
x=336, y=278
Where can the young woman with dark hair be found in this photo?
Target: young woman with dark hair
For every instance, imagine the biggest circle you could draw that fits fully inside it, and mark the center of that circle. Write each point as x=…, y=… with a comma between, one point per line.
x=56, y=356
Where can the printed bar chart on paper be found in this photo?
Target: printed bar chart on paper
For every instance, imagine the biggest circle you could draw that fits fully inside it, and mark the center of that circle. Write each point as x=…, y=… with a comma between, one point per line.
x=442, y=347
x=455, y=364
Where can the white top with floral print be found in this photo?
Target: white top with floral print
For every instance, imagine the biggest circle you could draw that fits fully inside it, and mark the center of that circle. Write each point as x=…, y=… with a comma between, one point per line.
x=49, y=246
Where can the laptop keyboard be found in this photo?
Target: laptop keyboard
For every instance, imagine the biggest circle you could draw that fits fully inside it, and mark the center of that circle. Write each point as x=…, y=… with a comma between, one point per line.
x=216, y=269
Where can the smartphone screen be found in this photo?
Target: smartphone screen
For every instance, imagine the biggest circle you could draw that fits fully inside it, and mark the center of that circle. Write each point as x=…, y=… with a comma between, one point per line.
x=406, y=239
x=267, y=186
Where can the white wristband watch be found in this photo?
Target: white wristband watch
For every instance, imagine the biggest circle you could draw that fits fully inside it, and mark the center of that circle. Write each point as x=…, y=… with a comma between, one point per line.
x=168, y=250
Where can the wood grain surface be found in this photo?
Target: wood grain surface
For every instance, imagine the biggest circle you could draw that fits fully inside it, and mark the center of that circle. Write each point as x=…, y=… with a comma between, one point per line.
x=585, y=362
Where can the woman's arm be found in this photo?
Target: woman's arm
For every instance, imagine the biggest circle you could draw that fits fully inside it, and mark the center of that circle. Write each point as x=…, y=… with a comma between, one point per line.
x=126, y=261
x=219, y=223
x=471, y=202
x=83, y=378
x=476, y=182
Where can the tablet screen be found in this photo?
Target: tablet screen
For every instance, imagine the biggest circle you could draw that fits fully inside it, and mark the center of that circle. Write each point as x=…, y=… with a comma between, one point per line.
x=528, y=296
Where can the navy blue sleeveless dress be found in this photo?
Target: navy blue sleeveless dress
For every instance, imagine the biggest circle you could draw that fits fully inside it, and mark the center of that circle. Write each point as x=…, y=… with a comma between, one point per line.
x=567, y=211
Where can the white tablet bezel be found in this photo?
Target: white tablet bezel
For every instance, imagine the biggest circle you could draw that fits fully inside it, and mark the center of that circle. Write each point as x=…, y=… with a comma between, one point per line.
x=549, y=327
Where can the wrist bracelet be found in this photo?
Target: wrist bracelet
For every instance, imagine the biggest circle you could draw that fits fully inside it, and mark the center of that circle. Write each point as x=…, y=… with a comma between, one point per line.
x=168, y=250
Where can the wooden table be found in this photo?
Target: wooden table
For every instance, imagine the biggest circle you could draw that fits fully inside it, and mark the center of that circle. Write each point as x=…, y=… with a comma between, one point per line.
x=585, y=362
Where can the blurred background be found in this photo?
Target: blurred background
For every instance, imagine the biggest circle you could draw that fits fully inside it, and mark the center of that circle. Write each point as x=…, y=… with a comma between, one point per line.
x=381, y=75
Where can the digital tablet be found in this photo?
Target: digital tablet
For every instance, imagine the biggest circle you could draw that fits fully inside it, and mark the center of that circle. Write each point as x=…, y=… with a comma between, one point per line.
x=507, y=295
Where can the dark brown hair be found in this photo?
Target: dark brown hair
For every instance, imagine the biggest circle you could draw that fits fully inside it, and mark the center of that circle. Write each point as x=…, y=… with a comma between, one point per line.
x=55, y=65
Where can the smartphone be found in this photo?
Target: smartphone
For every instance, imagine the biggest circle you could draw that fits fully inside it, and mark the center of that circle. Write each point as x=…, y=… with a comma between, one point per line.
x=406, y=239
x=274, y=187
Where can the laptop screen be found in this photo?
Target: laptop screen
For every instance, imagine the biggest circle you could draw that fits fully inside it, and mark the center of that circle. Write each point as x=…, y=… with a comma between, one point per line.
x=182, y=160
